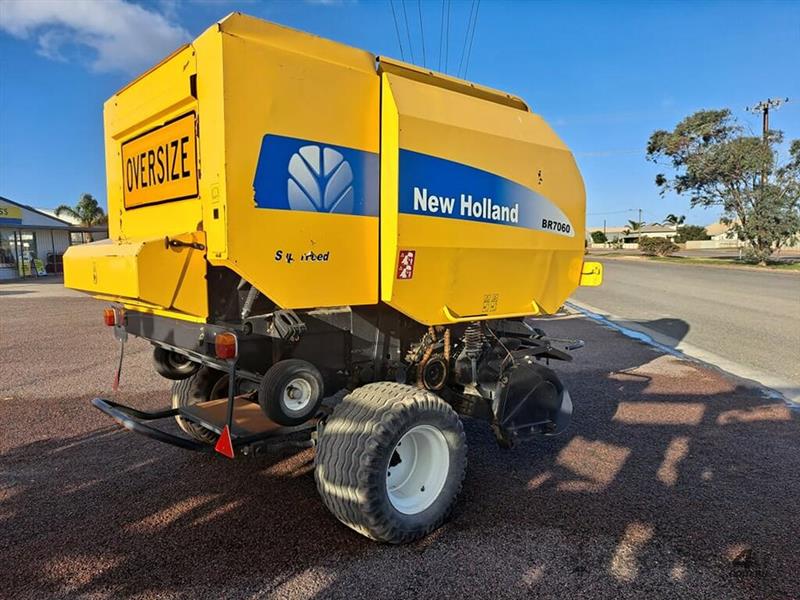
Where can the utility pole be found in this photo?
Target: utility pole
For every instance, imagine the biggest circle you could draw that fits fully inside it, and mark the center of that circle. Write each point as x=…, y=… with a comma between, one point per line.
x=763, y=107
x=640, y=220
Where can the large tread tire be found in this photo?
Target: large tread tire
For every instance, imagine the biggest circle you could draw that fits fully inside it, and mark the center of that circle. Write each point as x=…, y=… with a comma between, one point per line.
x=189, y=391
x=354, y=450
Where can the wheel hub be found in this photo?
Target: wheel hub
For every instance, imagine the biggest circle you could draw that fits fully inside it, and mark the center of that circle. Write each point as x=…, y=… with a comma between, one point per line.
x=418, y=469
x=297, y=395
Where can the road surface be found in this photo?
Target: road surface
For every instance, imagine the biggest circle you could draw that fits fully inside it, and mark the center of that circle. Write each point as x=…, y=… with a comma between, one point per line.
x=747, y=320
x=673, y=481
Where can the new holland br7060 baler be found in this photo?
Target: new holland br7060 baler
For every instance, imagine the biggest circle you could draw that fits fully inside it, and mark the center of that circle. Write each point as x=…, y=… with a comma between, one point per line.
x=330, y=248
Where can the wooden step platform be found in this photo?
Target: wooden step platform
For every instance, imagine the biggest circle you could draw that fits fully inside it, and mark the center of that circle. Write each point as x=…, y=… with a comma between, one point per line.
x=248, y=418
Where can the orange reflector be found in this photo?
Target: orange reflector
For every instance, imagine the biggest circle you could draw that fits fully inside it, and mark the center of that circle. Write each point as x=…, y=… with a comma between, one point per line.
x=225, y=346
x=224, y=443
x=109, y=317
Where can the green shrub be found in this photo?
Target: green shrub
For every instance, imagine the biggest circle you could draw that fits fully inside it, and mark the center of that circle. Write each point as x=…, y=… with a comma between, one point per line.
x=656, y=246
x=598, y=237
x=690, y=233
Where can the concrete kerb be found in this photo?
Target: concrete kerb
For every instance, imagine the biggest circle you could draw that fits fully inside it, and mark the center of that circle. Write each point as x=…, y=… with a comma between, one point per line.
x=769, y=385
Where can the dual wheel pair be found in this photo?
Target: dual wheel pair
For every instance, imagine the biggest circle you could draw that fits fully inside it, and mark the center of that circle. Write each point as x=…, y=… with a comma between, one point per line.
x=390, y=460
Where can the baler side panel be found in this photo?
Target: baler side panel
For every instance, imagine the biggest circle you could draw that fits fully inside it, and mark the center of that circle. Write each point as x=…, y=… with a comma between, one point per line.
x=468, y=268
x=294, y=102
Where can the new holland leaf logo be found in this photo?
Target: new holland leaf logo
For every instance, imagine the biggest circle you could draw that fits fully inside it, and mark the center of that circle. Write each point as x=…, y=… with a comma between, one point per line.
x=320, y=180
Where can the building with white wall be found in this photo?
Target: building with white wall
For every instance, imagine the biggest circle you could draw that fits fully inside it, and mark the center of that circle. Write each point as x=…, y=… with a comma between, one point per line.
x=28, y=235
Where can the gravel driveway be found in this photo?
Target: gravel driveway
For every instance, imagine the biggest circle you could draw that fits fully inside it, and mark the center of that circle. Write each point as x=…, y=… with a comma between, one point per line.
x=673, y=481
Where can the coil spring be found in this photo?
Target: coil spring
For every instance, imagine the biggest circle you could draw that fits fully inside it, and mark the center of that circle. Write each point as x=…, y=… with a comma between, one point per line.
x=473, y=340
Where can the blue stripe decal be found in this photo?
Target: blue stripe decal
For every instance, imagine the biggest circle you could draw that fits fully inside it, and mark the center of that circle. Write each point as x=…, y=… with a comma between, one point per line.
x=295, y=174
x=10, y=221
x=437, y=187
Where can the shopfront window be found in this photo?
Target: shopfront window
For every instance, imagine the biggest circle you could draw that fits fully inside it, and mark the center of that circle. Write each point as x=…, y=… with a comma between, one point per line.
x=18, y=251
x=27, y=246
x=8, y=254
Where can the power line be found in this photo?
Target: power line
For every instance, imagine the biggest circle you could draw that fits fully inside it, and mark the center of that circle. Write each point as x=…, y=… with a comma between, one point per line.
x=397, y=31
x=408, y=31
x=441, y=39
x=614, y=212
x=447, y=38
x=474, y=26
x=466, y=38
x=421, y=32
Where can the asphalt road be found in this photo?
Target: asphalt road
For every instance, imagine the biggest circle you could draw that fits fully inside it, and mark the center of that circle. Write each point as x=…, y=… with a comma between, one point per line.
x=673, y=482
x=749, y=319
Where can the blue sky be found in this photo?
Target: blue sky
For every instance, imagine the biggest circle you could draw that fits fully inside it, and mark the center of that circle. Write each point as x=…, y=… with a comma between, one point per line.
x=604, y=74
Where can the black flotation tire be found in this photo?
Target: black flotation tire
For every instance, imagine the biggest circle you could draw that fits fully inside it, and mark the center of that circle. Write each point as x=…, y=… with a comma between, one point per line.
x=354, y=450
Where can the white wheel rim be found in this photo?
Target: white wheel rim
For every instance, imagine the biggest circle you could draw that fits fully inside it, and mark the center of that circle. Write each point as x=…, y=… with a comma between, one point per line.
x=297, y=395
x=418, y=469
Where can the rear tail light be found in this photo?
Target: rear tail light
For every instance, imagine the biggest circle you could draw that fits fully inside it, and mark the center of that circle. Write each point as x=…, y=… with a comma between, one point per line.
x=109, y=317
x=226, y=346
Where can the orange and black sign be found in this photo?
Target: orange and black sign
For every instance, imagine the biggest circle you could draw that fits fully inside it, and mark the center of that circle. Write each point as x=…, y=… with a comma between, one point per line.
x=161, y=165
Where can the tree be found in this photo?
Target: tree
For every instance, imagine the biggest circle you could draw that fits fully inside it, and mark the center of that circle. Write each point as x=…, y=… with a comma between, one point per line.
x=598, y=237
x=674, y=219
x=715, y=164
x=690, y=233
x=634, y=226
x=87, y=212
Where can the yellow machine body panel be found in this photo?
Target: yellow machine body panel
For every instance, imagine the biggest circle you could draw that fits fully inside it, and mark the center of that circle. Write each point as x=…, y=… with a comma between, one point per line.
x=157, y=108
x=310, y=172
x=482, y=198
x=301, y=135
x=151, y=274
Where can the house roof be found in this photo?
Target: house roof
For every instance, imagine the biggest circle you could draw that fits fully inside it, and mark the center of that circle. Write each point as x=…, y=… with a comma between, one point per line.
x=47, y=220
x=35, y=210
x=654, y=228
x=607, y=229
x=717, y=228
x=50, y=212
x=657, y=228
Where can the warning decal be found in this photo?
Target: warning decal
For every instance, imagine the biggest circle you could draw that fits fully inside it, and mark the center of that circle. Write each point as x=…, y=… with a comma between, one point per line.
x=161, y=165
x=405, y=264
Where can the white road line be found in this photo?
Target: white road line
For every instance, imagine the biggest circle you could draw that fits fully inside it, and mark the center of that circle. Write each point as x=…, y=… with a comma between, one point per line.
x=774, y=386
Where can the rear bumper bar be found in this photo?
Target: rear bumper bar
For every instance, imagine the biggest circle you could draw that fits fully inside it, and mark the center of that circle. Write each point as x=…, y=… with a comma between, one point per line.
x=136, y=421
x=133, y=420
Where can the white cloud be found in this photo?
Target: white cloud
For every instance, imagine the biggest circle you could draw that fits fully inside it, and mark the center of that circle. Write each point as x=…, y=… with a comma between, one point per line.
x=123, y=36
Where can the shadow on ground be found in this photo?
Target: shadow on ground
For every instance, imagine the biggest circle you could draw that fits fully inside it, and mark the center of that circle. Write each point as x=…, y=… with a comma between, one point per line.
x=671, y=482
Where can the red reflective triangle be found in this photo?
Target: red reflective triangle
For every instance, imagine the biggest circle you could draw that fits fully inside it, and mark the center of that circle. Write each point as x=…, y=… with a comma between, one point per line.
x=224, y=443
